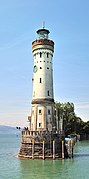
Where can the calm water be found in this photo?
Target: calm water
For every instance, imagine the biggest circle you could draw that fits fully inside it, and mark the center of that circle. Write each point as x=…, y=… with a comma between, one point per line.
x=13, y=168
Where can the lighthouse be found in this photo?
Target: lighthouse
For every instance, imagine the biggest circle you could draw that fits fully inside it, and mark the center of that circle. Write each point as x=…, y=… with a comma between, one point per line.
x=42, y=113
x=42, y=139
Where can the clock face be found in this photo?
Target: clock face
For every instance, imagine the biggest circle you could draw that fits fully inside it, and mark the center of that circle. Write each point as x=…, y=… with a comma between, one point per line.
x=35, y=69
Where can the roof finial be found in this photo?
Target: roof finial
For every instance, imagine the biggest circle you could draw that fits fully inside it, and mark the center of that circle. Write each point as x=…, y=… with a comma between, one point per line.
x=43, y=24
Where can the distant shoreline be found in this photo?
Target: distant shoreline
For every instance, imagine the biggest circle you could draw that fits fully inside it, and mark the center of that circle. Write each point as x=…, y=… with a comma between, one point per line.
x=9, y=130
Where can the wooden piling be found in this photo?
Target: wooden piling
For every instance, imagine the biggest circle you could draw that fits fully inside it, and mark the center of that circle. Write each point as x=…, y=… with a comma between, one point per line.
x=68, y=150
x=72, y=152
x=53, y=150
x=43, y=150
x=33, y=149
x=62, y=149
x=72, y=148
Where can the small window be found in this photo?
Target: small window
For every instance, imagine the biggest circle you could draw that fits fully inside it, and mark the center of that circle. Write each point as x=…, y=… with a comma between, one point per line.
x=40, y=111
x=47, y=55
x=39, y=124
x=40, y=67
x=48, y=92
x=47, y=61
x=37, y=61
x=48, y=111
x=40, y=61
x=48, y=68
x=40, y=54
x=44, y=61
x=40, y=80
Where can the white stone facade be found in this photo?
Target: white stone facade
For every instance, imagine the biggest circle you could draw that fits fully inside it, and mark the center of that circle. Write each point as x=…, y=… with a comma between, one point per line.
x=43, y=96
x=43, y=78
x=41, y=117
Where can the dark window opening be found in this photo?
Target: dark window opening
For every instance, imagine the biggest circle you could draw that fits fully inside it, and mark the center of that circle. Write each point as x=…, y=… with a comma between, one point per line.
x=48, y=93
x=39, y=124
x=40, y=112
x=40, y=54
x=48, y=111
x=40, y=80
x=40, y=67
x=47, y=55
x=55, y=112
x=47, y=67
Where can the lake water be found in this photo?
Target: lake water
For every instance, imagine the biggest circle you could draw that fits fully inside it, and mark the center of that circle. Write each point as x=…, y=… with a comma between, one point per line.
x=14, y=168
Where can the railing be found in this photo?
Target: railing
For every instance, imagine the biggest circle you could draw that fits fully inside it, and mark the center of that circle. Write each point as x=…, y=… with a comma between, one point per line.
x=27, y=132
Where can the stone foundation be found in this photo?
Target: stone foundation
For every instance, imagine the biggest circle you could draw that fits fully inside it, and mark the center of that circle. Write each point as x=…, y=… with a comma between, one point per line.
x=41, y=145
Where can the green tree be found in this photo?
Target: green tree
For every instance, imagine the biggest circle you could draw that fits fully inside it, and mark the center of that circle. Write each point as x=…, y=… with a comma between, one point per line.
x=71, y=123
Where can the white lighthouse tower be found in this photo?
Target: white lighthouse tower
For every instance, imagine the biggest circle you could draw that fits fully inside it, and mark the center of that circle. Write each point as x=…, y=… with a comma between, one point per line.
x=43, y=139
x=42, y=114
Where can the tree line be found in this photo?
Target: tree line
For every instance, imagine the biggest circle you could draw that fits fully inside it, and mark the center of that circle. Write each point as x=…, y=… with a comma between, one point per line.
x=72, y=124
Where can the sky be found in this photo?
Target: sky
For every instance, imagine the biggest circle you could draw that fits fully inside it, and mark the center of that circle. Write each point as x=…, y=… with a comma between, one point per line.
x=68, y=22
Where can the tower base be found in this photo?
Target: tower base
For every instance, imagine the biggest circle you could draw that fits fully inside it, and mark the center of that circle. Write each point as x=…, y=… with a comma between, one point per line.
x=41, y=145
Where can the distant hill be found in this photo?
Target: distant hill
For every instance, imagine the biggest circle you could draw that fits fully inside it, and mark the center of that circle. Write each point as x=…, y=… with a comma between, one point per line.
x=9, y=130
